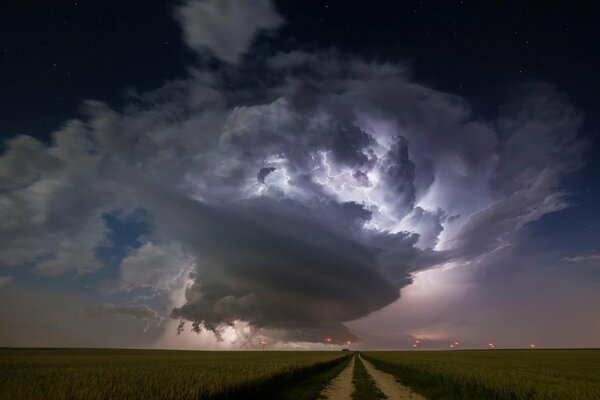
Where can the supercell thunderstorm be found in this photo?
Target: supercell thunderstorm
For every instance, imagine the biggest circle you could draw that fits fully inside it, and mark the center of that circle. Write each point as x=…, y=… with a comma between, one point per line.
x=296, y=200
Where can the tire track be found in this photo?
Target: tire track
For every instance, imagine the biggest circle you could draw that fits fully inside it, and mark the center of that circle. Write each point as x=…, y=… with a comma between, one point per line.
x=388, y=384
x=341, y=387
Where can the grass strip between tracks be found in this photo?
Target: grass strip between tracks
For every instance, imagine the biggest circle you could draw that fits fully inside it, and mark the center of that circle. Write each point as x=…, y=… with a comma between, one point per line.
x=364, y=386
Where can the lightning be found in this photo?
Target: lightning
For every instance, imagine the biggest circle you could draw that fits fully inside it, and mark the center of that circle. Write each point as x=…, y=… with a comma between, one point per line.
x=328, y=176
x=343, y=185
x=341, y=182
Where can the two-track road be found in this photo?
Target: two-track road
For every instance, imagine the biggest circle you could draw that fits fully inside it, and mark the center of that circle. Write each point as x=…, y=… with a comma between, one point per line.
x=342, y=388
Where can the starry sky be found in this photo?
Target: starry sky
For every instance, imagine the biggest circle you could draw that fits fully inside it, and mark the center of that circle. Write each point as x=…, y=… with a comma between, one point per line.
x=211, y=174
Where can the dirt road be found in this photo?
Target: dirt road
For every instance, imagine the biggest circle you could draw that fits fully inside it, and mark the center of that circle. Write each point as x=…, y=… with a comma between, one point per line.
x=341, y=387
x=388, y=384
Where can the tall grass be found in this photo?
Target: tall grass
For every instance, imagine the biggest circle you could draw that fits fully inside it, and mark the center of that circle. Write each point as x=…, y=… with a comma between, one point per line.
x=496, y=374
x=83, y=374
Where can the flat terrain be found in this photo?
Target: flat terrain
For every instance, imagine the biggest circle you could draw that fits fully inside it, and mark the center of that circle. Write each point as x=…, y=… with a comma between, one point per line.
x=85, y=374
x=495, y=374
x=57, y=374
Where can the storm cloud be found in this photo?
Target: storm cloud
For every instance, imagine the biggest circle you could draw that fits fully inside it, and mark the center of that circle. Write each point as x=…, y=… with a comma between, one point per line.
x=141, y=311
x=295, y=206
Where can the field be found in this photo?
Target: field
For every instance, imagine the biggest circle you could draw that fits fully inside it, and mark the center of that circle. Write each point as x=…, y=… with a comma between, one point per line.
x=86, y=374
x=57, y=374
x=496, y=374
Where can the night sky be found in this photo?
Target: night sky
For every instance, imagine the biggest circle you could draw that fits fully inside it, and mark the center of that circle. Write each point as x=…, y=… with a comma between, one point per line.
x=210, y=174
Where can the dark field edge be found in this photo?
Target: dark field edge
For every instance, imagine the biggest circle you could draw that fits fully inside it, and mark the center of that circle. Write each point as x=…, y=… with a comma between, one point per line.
x=364, y=387
x=439, y=387
x=296, y=384
x=312, y=386
x=283, y=385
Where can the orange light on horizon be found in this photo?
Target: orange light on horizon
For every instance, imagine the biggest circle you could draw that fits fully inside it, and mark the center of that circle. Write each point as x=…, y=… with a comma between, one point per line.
x=532, y=346
x=328, y=340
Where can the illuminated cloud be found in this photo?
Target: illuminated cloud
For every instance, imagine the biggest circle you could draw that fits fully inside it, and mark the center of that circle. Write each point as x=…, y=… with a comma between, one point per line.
x=299, y=206
x=226, y=28
x=162, y=268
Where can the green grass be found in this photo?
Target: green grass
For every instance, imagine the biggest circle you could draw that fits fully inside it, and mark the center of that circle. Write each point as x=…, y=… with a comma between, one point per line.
x=496, y=374
x=85, y=374
x=364, y=387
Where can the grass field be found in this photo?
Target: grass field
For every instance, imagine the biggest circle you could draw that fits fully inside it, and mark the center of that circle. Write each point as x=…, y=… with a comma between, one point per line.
x=496, y=374
x=61, y=374
x=364, y=387
x=85, y=374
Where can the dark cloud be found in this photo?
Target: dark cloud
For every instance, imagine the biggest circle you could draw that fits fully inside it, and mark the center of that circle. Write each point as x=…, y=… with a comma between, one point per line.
x=263, y=173
x=299, y=205
x=274, y=265
x=139, y=311
x=349, y=144
x=398, y=173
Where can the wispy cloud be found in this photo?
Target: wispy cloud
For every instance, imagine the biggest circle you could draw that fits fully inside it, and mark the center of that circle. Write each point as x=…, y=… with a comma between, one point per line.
x=588, y=257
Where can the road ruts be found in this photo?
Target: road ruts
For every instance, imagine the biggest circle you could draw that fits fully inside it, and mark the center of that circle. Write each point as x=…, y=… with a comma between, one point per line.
x=388, y=384
x=341, y=387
